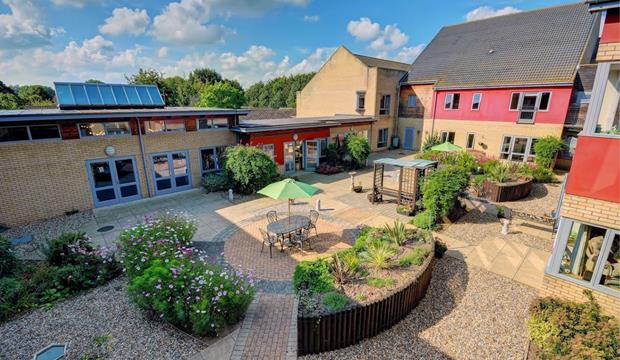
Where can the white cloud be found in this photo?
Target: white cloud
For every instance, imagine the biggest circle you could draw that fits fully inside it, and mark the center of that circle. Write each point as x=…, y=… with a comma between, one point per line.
x=409, y=54
x=363, y=29
x=75, y=3
x=162, y=52
x=391, y=38
x=125, y=20
x=189, y=21
x=22, y=27
x=312, y=18
x=312, y=62
x=484, y=12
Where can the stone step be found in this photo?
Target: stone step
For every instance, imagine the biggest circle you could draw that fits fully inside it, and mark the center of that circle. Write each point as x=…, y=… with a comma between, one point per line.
x=533, y=228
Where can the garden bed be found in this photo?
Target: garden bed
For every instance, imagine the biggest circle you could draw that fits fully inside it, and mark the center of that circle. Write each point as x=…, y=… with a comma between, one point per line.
x=508, y=191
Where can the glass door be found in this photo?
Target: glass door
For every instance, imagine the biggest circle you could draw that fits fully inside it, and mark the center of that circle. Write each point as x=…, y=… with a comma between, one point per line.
x=171, y=172
x=312, y=154
x=289, y=157
x=113, y=181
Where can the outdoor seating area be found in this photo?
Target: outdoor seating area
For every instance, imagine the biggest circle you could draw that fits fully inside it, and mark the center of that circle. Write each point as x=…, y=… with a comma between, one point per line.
x=292, y=230
x=408, y=180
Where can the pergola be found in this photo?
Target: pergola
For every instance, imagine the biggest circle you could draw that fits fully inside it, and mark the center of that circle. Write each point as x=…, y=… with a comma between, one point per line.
x=410, y=173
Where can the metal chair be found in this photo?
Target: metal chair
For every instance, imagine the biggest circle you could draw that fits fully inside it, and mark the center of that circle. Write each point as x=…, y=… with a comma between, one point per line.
x=272, y=216
x=269, y=239
x=302, y=238
x=314, y=216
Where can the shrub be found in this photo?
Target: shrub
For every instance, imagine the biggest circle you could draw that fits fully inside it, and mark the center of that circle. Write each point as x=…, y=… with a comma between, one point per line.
x=396, y=233
x=249, y=168
x=562, y=328
x=58, y=250
x=358, y=148
x=440, y=190
x=14, y=297
x=462, y=159
x=477, y=184
x=378, y=254
x=546, y=149
x=215, y=182
x=344, y=264
x=414, y=257
x=429, y=155
x=335, y=301
x=423, y=220
x=327, y=169
x=334, y=154
x=313, y=276
x=440, y=249
x=380, y=282
x=367, y=234
x=500, y=173
x=543, y=175
x=8, y=261
x=431, y=140
x=489, y=165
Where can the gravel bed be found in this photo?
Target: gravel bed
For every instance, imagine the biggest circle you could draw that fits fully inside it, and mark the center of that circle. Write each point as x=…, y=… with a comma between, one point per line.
x=467, y=313
x=104, y=313
x=51, y=228
x=542, y=200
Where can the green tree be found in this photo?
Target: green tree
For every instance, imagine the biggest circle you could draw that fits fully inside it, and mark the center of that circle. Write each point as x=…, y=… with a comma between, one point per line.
x=249, y=168
x=252, y=94
x=204, y=76
x=277, y=93
x=146, y=77
x=94, y=81
x=358, y=148
x=221, y=95
x=546, y=149
x=5, y=89
x=36, y=95
x=9, y=101
x=178, y=91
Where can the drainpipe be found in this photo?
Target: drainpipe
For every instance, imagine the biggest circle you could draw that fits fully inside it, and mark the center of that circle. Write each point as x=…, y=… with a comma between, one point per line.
x=397, y=119
x=434, y=111
x=146, y=173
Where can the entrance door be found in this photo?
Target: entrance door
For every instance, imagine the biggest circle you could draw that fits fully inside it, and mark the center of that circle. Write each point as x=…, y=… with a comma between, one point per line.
x=113, y=181
x=171, y=172
x=289, y=157
x=409, y=138
x=312, y=154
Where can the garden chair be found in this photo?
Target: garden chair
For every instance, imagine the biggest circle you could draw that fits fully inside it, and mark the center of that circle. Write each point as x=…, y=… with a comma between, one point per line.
x=314, y=216
x=269, y=239
x=302, y=238
x=272, y=216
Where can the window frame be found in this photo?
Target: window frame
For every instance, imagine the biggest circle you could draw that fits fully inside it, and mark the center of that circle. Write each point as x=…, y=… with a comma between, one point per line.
x=536, y=110
x=385, y=111
x=447, y=136
x=165, y=131
x=30, y=134
x=360, y=95
x=528, y=148
x=218, y=165
x=473, y=141
x=379, y=139
x=449, y=105
x=415, y=101
x=561, y=240
x=479, y=101
x=210, y=120
x=104, y=129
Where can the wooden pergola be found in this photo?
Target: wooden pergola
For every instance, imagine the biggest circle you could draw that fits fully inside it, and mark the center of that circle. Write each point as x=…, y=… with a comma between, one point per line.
x=410, y=173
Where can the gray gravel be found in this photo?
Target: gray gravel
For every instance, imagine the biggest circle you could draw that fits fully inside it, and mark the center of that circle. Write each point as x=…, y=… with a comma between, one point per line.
x=468, y=313
x=105, y=312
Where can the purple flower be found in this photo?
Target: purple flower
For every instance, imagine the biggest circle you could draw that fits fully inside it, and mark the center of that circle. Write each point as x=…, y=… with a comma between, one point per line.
x=158, y=286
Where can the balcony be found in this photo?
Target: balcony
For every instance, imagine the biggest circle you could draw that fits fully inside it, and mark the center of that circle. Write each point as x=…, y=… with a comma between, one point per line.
x=595, y=172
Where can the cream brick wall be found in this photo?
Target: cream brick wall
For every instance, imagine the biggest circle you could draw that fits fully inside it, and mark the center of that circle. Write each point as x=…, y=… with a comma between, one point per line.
x=556, y=287
x=593, y=211
x=43, y=179
x=608, y=52
x=489, y=135
x=418, y=124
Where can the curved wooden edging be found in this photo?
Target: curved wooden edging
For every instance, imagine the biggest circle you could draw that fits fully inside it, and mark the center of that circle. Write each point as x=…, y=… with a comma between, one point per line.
x=499, y=192
x=318, y=334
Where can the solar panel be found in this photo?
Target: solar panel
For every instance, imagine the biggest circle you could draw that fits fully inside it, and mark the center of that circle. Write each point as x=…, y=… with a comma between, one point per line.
x=88, y=95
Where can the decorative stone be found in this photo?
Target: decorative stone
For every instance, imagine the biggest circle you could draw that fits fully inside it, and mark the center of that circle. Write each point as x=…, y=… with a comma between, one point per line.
x=231, y=196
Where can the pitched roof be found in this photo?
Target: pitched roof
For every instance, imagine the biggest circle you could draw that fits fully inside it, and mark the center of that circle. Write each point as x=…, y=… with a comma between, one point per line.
x=535, y=47
x=383, y=63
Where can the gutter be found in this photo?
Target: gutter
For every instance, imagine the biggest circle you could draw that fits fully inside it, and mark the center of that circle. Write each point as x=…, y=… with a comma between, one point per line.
x=502, y=86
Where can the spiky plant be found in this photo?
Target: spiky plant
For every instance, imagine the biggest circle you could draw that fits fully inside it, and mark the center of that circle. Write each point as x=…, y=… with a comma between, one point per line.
x=378, y=254
x=396, y=233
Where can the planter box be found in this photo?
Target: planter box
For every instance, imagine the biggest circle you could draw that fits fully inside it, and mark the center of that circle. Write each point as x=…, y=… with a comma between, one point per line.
x=510, y=191
x=316, y=334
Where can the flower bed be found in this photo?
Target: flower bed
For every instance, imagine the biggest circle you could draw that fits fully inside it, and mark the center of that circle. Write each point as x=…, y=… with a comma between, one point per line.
x=362, y=291
x=174, y=281
x=507, y=191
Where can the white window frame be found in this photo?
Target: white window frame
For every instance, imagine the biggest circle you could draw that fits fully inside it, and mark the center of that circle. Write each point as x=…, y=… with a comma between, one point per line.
x=473, y=142
x=479, y=101
x=385, y=111
x=561, y=240
x=210, y=120
x=165, y=130
x=449, y=104
x=445, y=136
x=528, y=148
x=30, y=135
x=415, y=101
x=104, y=129
x=536, y=110
x=380, y=142
x=360, y=95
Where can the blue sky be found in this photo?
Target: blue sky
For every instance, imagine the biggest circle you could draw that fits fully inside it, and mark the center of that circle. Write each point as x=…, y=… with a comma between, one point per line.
x=249, y=40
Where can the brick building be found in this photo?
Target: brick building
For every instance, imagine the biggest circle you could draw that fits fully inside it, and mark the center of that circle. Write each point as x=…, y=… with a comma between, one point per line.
x=586, y=254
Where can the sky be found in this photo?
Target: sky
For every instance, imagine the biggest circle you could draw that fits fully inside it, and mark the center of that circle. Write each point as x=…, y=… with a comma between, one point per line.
x=42, y=41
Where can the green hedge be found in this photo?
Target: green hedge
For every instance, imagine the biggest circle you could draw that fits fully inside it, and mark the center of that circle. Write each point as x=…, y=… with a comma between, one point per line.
x=249, y=168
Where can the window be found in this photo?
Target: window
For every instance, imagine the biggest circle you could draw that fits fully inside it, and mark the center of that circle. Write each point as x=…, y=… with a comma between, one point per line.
x=475, y=101
x=323, y=146
x=470, y=141
x=216, y=123
x=447, y=136
x=451, y=102
x=384, y=106
x=212, y=159
x=270, y=150
x=383, y=138
x=516, y=148
x=411, y=101
x=589, y=255
x=32, y=132
x=171, y=125
x=361, y=100
x=104, y=129
x=528, y=103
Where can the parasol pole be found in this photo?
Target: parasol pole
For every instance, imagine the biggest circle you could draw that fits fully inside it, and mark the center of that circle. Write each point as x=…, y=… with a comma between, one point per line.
x=289, y=211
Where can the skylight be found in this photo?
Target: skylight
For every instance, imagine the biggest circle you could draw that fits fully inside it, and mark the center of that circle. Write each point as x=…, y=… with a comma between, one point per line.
x=87, y=95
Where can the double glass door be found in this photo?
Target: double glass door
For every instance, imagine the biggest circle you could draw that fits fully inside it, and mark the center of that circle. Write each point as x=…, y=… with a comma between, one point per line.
x=312, y=154
x=171, y=172
x=289, y=157
x=113, y=181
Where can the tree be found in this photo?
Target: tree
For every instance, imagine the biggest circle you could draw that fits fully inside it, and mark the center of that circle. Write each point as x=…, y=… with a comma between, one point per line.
x=249, y=168
x=277, y=93
x=5, y=89
x=252, y=94
x=204, y=76
x=9, y=101
x=358, y=148
x=546, y=149
x=178, y=91
x=221, y=95
x=94, y=81
x=146, y=77
x=36, y=95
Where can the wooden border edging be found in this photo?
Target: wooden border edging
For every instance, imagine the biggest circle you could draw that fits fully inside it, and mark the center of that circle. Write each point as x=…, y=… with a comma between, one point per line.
x=499, y=192
x=318, y=334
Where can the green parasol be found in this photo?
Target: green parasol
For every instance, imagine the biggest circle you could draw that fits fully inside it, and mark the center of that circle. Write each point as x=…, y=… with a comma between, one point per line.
x=447, y=147
x=288, y=189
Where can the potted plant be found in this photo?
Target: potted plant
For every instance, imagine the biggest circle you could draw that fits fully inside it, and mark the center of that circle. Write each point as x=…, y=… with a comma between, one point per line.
x=358, y=188
x=406, y=210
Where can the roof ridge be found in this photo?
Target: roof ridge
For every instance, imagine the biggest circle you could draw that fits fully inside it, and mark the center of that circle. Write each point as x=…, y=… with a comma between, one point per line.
x=382, y=59
x=517, y=13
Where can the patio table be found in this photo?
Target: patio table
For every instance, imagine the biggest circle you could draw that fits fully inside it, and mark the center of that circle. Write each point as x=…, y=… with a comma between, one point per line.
x=287, y=225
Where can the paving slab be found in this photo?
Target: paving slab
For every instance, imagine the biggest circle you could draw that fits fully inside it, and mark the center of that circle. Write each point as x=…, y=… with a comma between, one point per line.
x=532, y=269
